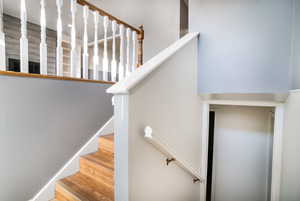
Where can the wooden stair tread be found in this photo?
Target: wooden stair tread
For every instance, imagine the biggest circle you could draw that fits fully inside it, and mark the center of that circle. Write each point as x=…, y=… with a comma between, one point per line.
x=106, y=142
x=102, y=158
x=109, y=137
x=83, y=188
x=95, y=180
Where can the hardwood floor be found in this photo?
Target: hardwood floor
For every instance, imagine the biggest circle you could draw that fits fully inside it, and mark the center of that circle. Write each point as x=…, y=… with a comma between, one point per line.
x=95, y=180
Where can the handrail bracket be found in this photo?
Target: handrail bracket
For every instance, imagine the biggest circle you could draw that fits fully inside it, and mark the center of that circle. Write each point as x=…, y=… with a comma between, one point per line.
x=170, y=160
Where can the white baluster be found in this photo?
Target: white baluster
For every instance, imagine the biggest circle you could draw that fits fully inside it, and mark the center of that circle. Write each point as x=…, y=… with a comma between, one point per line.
x=134, y=61
x=73, y=53
x=85, y=43
x=59, y=49
x=105, y=57
x=128, y=67
x=96, y=51
x=23, y=39
x=121, y=64
x=2, y=40
x=43, y=45
x=114, y=62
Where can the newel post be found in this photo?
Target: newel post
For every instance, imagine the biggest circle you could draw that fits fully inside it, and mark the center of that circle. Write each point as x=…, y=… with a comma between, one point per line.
x=140, y=53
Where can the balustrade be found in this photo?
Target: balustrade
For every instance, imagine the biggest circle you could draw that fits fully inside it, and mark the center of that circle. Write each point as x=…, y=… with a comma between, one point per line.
x=120, y=46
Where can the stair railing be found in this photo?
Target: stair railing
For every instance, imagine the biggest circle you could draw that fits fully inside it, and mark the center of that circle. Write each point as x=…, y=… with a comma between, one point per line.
x=171, y=155
x=130, y=49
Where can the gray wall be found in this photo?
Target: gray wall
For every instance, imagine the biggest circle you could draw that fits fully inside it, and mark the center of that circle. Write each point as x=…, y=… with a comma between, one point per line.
x=244, y=45
x=296, y=46
x=12, y=42
x=43, y=123
x=173, y=109
x=290, y=183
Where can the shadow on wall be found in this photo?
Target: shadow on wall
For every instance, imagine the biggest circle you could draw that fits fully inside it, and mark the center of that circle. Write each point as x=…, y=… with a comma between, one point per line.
x=43, y=124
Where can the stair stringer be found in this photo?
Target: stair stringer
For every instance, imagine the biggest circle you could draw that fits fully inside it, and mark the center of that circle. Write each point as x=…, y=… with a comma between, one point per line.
x=72, y=166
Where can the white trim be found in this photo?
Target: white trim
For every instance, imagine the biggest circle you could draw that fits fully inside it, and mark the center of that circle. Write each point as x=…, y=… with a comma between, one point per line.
x=244, y=103
x=123, y=87
x=295, y=91
x=277, y=142
x=277, y=153
x=204, y=149
x=161, y=145
x=47, y=192
x=121, y=148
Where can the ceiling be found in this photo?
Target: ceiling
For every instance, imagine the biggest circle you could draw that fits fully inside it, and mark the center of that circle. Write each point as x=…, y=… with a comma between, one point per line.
x=12, y=7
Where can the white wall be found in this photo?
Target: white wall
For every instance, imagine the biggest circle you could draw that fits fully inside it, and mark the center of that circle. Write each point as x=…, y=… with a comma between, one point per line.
x=244, y=43
x=43, y=123
x=296, y=47
x=290, y=190
x=167, y=101
x=161, y=20
x=242, y=153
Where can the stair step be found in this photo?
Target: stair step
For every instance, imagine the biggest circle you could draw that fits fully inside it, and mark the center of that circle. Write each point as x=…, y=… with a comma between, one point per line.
x=106, y=142
x=79, y=187
x=99, y=166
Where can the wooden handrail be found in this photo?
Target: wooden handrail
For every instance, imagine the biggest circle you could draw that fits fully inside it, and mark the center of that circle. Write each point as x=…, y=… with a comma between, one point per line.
x=139, y=31
x=51, y=77
x=104, y=13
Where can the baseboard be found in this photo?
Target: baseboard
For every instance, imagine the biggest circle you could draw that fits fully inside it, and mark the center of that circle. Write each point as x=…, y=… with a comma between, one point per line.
x=72, y=166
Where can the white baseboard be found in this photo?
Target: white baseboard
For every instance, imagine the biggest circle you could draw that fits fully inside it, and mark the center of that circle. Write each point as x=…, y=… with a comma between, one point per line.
x=72, y=166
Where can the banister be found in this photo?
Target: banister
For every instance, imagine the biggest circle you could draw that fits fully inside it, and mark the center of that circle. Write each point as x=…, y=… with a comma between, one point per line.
x=139, y=31
x=133, y=42
x=104, y=13
x=171, y=154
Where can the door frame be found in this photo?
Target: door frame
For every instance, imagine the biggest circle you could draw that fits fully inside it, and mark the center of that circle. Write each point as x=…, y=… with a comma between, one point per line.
x=277, y=141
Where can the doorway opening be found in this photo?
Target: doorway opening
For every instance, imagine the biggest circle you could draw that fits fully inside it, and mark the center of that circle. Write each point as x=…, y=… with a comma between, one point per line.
x=241, y=146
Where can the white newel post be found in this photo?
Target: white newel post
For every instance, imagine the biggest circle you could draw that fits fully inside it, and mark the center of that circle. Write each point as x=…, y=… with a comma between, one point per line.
x=113, y=61
x=73, y=53
x=43, y=45
x=23, y=39
x=2, y=40
x=96, y=51
x=128, y=67
x=85, y=43
x=121, y=64
x=59, y=49
x=134, y=61
x=105, y=57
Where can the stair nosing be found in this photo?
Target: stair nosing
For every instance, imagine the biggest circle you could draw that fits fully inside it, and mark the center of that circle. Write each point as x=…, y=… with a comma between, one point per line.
x=97, y=163
x=69, y=190
x=75, y=195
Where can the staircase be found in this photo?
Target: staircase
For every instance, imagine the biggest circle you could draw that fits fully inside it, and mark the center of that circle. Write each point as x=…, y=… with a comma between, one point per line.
x=95, y=180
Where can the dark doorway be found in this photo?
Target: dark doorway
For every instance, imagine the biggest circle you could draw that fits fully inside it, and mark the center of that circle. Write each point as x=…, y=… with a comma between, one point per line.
x=184, y=17
x=210, y=156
